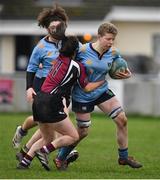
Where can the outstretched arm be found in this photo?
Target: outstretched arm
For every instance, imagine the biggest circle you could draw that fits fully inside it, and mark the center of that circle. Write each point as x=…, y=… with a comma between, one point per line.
x=93, y=85
x=85, y=84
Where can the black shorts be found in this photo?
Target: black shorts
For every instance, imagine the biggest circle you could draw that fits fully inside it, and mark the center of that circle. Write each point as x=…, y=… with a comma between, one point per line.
x=89, y=107
x=48, y=108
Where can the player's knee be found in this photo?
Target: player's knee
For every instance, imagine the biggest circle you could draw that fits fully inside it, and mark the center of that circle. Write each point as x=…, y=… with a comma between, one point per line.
x=121, y=120
x=83, y=128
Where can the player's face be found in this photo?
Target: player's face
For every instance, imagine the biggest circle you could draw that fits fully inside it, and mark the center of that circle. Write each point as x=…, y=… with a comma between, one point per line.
x=107, y=40
x=52, y=26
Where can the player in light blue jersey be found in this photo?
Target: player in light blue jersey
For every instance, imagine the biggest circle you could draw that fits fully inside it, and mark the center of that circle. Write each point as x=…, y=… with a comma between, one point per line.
x=97, y=57
x=97, y=68
x=54, y=20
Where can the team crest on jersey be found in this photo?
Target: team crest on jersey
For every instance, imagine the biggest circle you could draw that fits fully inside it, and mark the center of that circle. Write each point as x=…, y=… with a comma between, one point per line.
x=49, y=53
x=89, y=61
x=109, y=65
x=41, y=45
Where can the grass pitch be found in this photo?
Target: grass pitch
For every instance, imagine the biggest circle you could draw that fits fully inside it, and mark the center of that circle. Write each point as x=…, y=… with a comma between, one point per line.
x=98, y=152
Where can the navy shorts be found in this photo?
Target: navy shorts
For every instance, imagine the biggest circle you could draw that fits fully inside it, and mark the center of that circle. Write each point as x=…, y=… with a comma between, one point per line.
x=80, y=107
x=48, y=108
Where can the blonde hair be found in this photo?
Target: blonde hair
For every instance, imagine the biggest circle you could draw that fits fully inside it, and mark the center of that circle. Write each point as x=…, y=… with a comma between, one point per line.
x=107, y=28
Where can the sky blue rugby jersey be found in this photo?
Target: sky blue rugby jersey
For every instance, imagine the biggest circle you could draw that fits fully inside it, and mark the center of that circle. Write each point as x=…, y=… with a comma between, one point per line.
x=97, y=68
x=45, y=52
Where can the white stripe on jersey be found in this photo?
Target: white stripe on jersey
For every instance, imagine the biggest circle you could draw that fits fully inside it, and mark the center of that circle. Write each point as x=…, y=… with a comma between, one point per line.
x=73, y=63
x=66, y=78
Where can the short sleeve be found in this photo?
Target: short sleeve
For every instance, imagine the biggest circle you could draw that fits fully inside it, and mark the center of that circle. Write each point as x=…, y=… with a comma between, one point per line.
x=82, y=79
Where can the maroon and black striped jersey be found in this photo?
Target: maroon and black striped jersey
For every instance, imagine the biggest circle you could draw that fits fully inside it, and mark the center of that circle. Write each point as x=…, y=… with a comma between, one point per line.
x=62, y=76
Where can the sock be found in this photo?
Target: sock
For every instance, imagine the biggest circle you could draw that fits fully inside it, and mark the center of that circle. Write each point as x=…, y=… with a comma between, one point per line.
x=47, y=149
x=64, y=152
x=123, y=153
x=22, y=132
x=26, y=161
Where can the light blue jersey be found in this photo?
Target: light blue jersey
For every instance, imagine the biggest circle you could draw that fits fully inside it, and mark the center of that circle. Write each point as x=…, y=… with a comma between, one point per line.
x=97, y=68
x=45, y=52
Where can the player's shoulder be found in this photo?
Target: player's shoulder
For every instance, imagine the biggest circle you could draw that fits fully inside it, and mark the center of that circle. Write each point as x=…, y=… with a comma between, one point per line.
x=83, y=47
x=41, y=43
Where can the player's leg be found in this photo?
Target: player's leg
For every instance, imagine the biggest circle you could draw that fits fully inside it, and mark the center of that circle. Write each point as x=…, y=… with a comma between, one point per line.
x=73, y=154
x=47, y=137
x=68, y=132
x=35, y=137
x=21, y=131
x=64, y=127
x=83, y=123
x=69, y=136
x=112, y=107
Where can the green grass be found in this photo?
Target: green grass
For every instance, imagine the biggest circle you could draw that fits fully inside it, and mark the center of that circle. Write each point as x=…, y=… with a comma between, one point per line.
x=98, y=152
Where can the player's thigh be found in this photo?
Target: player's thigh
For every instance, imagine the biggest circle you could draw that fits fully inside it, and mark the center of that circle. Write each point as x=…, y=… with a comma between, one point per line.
x=47, y=131
x=65, y=127
x=109, y=105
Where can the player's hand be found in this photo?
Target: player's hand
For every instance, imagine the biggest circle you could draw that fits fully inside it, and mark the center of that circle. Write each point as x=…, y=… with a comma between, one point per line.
x=123, y=74
x=30, y=94
x=40, y=66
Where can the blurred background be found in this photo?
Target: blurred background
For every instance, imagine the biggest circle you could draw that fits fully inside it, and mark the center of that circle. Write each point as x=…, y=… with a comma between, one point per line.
x=138, y=40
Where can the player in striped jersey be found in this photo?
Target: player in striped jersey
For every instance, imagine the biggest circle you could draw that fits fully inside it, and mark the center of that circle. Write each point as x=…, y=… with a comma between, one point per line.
x=48, y=108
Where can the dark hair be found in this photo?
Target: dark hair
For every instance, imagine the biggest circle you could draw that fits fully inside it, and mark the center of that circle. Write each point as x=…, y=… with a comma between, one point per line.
x=69, y=46
x=52, y=14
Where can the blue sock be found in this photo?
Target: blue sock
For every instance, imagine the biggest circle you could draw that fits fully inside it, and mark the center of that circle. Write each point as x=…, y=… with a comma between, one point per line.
x=64, y=152
x=123, y=153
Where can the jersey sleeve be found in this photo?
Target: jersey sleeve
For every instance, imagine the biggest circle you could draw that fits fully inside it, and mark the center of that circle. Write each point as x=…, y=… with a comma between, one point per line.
x=34, y=60
x=82, y=79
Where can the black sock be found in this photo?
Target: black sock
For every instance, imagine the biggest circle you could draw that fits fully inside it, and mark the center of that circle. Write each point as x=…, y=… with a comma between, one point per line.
x=26, y=161
x=23, y=132
x=47, y=149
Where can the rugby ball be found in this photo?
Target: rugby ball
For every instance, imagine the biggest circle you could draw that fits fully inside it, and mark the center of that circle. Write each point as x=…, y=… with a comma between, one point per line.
x=118, y=65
